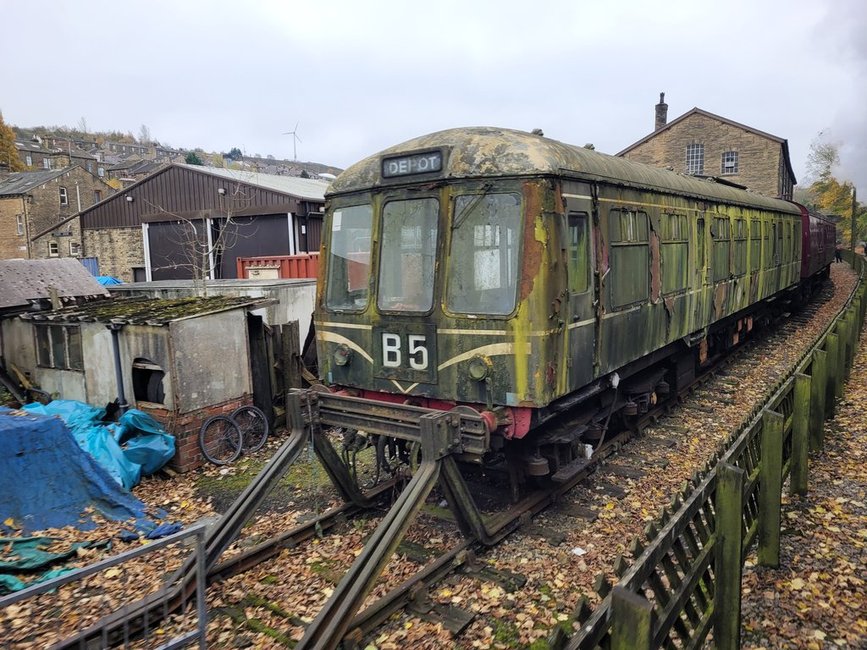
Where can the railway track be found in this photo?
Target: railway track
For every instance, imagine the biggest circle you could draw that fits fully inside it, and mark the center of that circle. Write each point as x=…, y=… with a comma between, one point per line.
x=566, y=542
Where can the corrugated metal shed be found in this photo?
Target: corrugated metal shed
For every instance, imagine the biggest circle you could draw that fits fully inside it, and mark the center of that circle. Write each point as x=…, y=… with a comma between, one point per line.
x=193, y=192
x=23, y=282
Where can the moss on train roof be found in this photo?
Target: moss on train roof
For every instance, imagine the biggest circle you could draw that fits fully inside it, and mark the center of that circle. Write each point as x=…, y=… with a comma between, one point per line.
x=153, y=311
x=477, y=152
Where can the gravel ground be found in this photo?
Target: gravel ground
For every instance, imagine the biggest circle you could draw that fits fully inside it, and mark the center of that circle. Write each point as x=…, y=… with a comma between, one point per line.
x=559, y=556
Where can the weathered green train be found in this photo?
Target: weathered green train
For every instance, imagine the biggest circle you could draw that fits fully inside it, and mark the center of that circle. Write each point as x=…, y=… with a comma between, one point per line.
x=535, y=281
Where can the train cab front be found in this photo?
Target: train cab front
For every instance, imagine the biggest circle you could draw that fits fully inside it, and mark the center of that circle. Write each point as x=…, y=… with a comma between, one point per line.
x=418, y=295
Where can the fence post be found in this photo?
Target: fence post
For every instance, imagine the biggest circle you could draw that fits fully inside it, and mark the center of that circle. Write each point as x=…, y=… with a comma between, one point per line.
x=849, y=350
x=770, y=489
x=800, y=435
x=631, y=621
x=818, y=390
x=832, y=347
x=290, y=354
x=728, y=556
x=840, y=375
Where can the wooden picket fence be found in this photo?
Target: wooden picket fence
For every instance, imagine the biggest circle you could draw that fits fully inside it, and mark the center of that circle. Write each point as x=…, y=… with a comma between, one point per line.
x=684, y=580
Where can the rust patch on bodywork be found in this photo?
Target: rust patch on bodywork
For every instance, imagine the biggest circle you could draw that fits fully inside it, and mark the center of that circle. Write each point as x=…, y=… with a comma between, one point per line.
x=655, y=274
x=534, y=249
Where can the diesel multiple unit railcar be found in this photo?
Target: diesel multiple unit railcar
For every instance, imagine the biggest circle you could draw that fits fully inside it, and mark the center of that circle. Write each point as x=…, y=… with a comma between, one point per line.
x=538, y=282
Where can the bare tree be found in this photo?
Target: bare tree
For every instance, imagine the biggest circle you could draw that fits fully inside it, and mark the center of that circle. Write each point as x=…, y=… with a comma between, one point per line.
x=204, y=241
x=82, y=124
x=144, y=134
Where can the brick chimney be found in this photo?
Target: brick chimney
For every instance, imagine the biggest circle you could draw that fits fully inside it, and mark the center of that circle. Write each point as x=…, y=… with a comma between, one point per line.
x=661, y=113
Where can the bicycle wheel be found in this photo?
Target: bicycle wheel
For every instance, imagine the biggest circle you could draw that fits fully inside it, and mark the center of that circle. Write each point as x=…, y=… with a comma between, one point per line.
x=253, y=425
x=220, y=439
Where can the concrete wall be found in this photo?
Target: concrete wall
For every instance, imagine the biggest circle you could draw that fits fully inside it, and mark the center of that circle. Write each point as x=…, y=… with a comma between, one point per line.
x=19, y=348
x=18, y=345
x=215, y=364
x=149, y=342
x=295, y=298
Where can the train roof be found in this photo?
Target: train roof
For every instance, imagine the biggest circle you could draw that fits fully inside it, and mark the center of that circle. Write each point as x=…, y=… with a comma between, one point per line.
x=476, y=152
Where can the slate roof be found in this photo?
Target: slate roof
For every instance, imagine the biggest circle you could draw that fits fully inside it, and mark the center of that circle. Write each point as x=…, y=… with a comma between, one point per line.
x=25, y=282
x=17, y=183
x=146, y=311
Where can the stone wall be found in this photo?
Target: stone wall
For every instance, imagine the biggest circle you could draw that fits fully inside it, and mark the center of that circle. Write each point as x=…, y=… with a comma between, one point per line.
x=45, y=209
x=12, y=245
x=119, y=250
x=185, y=428
x=759, y=158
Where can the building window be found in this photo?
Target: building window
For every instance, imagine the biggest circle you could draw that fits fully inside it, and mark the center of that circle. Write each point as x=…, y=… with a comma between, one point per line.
x=729, y=162
x=75, y=249
x=90, y=167
x=695, y=159
x=46, y=163
x=147, y=381
x=53, y=249
x=64, y=199
x=59, y=346
x=20, y=223
x=97, y=196
x=29, y=160
x=100, y=171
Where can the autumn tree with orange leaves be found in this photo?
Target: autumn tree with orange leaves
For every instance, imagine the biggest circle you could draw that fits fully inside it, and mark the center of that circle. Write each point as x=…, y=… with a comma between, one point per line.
x=9, y=158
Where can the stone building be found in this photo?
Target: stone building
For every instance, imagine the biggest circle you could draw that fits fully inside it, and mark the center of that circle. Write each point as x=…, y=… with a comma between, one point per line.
x=38, y=211
x=40, y=154
x=703, y=144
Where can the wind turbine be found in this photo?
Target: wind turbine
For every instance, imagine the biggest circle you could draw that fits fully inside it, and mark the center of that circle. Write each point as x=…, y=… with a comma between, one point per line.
x=295, y=141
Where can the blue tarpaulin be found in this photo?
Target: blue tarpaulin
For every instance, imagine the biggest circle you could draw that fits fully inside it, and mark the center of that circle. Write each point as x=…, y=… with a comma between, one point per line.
x=135, y=445
x=48, y=481
x=107, y=280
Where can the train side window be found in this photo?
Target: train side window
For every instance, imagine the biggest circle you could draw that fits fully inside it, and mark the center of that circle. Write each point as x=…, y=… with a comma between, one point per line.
x=740, y=247
x=484, y=257
x=579, y=252
x=700, y=244
x=721, y=232
x=755, y=244
x=629, y=264
x=674, y=252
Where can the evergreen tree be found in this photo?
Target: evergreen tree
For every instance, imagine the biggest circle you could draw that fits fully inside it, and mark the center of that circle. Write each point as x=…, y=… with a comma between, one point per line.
x=193, y=159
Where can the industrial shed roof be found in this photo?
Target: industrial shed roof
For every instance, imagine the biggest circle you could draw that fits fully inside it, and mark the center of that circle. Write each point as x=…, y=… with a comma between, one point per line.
x=304, y=188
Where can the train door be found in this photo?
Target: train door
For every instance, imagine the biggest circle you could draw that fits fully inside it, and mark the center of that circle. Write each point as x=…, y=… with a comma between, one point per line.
x=580, y=278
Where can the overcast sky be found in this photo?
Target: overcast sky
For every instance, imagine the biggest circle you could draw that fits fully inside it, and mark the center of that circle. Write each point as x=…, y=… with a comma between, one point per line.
x=359, y=76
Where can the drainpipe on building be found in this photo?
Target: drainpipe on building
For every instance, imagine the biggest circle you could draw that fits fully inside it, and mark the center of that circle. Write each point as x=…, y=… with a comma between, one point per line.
x=115, y=329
